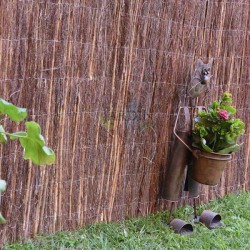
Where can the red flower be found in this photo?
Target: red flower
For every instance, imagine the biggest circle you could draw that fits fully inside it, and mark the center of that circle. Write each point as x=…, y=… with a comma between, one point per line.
x=223, y=114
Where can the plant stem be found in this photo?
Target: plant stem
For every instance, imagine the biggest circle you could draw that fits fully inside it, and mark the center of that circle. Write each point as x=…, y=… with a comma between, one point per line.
x=214, y=142
x=9, y=134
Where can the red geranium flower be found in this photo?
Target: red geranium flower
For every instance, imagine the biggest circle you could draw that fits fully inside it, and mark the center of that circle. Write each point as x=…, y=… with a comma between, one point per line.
x=223, y=114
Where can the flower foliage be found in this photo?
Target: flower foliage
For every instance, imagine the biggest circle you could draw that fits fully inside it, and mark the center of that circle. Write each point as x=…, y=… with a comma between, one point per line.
x=217, y=130
x=32, y=141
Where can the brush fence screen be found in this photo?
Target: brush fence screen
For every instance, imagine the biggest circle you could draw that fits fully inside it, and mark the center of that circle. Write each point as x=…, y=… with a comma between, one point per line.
x=105, y=79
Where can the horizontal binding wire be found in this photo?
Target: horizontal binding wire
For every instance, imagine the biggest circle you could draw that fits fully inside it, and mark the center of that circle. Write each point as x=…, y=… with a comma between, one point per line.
x=96, y=78
x=150, y=50
x=185, y=25
x=99, y=177
x=77, y=5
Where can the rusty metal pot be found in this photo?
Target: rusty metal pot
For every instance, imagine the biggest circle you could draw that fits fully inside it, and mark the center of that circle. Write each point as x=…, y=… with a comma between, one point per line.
x=208, y=167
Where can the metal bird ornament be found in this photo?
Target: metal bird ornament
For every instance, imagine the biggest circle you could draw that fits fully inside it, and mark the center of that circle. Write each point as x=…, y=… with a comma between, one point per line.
x=201, y=78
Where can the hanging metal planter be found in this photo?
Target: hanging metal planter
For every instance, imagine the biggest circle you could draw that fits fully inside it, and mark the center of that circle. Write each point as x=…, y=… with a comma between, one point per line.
x=215, y=133
x=208, y=167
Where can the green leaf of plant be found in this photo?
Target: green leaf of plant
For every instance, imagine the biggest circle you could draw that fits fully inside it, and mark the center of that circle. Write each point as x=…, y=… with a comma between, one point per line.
x=215, y=105
x=231, y=138
x=205, y=146
x=230, y=149
x=3, y=137
x=230, y=109
x=34, y=145
x=15, y=113
x=2, y=185
x=2, y=220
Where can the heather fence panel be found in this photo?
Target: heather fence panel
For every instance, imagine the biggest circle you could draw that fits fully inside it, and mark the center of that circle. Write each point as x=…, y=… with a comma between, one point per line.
x=105, y=80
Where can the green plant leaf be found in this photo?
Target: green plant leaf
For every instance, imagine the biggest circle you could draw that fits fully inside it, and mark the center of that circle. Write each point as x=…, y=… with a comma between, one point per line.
x=215, y=105
x=230, y=149
x=2, y=220
x=205, y=146
x=3, y=137
x=231, y=138
x=2, y=186
x=15, y=113
x=230, y=109
x=34, y=145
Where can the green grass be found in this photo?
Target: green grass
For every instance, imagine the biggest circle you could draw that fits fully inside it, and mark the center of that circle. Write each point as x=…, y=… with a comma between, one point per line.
x=152, y=233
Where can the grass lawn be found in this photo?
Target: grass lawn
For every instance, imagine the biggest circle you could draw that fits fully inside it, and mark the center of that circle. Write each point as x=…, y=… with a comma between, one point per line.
x=151, y=233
